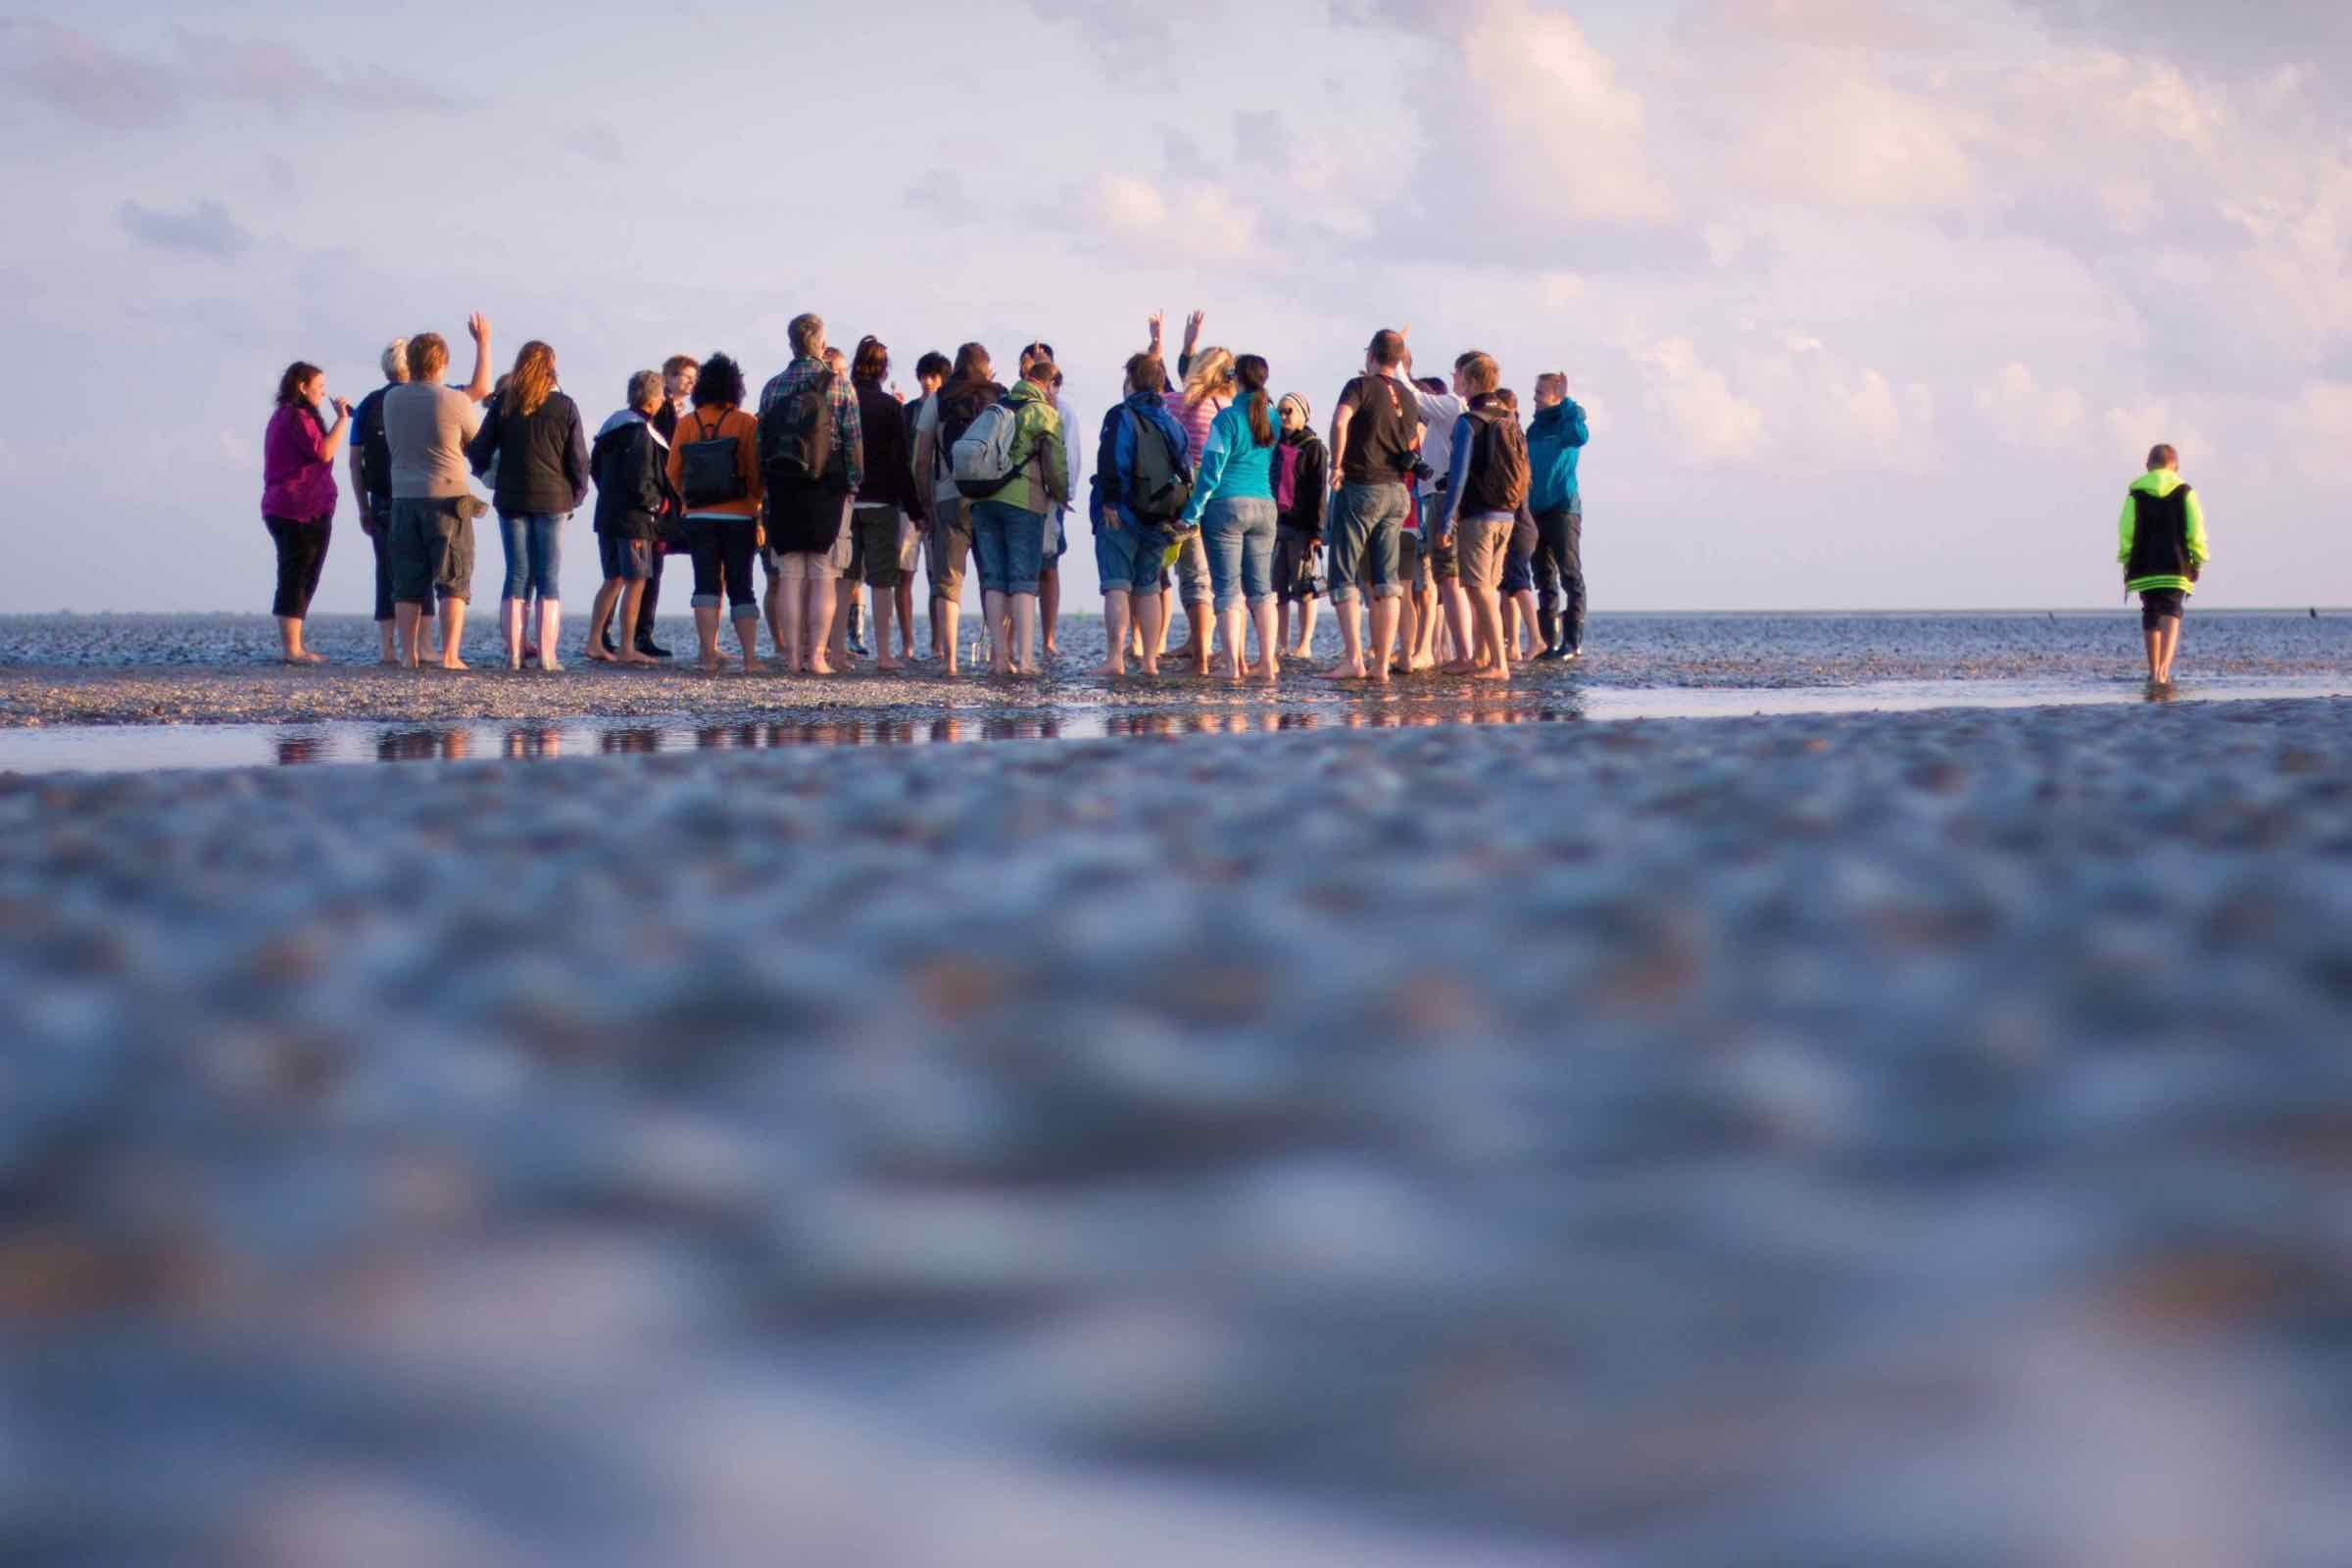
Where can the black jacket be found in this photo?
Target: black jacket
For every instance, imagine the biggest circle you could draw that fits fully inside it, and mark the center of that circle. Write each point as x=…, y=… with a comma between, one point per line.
x=542, y=456
x=1310, y=483
x=632, y=478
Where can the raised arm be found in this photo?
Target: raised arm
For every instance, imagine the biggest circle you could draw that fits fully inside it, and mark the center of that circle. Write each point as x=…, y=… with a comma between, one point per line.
x=332, y=443
x=478, y=325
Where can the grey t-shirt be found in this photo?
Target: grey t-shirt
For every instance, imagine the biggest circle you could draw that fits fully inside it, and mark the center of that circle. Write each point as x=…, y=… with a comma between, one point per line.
x=427, y=428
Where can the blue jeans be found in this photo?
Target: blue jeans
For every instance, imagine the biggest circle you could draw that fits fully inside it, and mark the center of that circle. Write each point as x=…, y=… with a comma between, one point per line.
x=1364, y=522
x=1010, y=542
x=1238, y=532
x=534, y=542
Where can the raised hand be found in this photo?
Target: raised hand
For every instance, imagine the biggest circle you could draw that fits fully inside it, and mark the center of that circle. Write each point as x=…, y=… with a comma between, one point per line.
x=342, y=406
x=478, y=325
x=1155, y=321
x=1192, y=329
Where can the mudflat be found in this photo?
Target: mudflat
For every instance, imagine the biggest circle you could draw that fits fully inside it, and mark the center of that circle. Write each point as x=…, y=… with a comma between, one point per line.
x=1797, y=1140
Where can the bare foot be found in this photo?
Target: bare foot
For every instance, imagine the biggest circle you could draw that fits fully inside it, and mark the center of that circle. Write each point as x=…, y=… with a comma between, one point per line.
x=818, y=666
x=1347, y=672
x=631, y=656
x=1379, y=676
x=550, y=661
x=750, y=666
x=708, y=664
x=888, y=665
x=1491, y=673
x=452, y=662
x=1462, y=667
x=600, y=655
x=1107, y=668
x=1268, y=671
x=1151, y=666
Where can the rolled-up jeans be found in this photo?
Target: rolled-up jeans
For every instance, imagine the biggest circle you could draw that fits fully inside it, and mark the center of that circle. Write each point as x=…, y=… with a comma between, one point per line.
x=534, y=544
x=1010, y=542
x=1364, y=524
x=1238, y=534
x=1193, y=585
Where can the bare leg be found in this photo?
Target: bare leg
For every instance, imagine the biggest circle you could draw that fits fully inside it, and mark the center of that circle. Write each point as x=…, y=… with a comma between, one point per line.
x=1409, y=620
x=1151, y=627
x=1024, y=633
x=1049, y=606
x=453, y=633
x=600, y=612
x=1269, y=639
x=772, y=605
x=2172, y=646
x=551, y=626
x=632, y=602
x=944, y=614
x=992, y=611
x=1115, y=614
x=705, y=633
x=290, y=641
x=1306, y=628
x=1230, y=620
x=791, y=607
x=2154, y=638
x=905, y=594
x=1202, y=616
x=886, y=605
x=1490, y=655
x=510, y=630
x=823, y=625
x=840, y=596
x=388, y=632
x=407, y=631
x=1384, y=614
x=747, y=636
x=1351, y=644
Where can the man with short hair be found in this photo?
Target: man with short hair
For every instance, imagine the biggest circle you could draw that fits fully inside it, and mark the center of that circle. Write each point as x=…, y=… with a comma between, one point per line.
x=1555, y=440
x=679, y=372
x=426, y=427
x=371, y=486
x=1485, y=484
x=2163, y=551
x=1375, y=441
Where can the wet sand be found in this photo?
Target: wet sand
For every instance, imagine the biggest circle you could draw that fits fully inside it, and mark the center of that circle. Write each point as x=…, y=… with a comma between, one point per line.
x=1809, y=1140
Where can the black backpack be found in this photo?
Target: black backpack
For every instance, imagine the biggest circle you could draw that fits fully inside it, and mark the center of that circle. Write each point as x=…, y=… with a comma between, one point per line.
x=708, y=467
x=1159, y=488
x=375, y=453
x=796, y=435
x=1499, y=473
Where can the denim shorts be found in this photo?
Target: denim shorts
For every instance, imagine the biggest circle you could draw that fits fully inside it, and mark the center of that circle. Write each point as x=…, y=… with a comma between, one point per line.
x=535, y=546
x=432, y=551
x=624, y=560
x=1010, y=542
x=1239, y=536
x=1364, y=524
x=1127, y=557
x=1519, y=566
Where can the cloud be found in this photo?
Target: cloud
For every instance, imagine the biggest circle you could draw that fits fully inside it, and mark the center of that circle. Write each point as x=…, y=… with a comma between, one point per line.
x=1555, y=101
x=2024, y=412
x=599, y=143
x=115, y=90
x=1195, y=218
x=94, y=83
x=205, y=229
x=1712, y=424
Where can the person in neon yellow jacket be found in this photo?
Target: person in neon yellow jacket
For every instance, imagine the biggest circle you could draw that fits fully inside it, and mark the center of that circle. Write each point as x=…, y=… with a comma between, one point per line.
x=2161, y=547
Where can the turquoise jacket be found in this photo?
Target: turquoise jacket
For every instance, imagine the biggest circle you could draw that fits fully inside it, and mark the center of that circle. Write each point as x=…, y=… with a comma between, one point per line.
x=1233, y=466
x=1555, y=439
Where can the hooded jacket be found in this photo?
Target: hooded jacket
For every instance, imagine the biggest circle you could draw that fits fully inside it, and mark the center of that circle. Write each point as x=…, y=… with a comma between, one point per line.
x=542, y=456
x=631, y=464
x=1555, y=439
x=1114, y=456
x=2161, y=535
x=1041, y=473
x=1310, y=460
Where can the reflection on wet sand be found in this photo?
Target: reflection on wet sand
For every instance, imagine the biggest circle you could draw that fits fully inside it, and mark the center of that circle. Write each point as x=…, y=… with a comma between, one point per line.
x=448, y=743
x=1169, y=725
x=636, y=740
x=296, y=749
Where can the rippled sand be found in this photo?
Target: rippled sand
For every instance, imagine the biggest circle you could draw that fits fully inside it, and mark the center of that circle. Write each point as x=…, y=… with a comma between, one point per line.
x=1912, y=1139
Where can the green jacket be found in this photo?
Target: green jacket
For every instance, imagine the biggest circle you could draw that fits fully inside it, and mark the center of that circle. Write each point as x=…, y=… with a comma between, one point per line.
x=1041, y=475
x=2159, y=482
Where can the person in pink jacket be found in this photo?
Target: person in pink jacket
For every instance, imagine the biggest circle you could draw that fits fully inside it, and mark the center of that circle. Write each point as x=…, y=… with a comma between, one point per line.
x=298, y=497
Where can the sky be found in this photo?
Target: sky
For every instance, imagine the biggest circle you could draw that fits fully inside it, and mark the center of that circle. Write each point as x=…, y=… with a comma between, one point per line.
x=1872, y=302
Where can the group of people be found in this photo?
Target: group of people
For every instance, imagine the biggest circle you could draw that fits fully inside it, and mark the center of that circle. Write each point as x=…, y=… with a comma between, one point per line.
x=1453, y=532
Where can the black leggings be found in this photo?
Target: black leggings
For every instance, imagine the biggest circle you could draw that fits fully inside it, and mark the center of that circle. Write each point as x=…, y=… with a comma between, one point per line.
x=722, y=547
x=301, y=557
x=380, y=535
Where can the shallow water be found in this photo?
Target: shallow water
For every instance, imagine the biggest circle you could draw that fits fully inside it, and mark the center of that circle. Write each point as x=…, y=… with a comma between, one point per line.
x=137, y=747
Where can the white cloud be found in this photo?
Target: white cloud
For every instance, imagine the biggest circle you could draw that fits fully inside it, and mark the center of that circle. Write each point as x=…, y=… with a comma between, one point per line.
x=1712, y=422
x=2026, y=413
x=1197, y=219
x=1557, y=101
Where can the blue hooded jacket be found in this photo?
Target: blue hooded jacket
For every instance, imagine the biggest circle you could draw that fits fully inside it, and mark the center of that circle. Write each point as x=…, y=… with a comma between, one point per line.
x=1555, y=438
x=1114, y=454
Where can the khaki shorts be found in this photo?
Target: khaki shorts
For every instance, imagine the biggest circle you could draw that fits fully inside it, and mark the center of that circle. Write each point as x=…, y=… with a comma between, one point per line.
x=1482, y=546
x=951, y=547
x=877, y=528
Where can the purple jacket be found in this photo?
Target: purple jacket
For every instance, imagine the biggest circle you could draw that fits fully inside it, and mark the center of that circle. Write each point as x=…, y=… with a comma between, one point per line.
x=296, y=481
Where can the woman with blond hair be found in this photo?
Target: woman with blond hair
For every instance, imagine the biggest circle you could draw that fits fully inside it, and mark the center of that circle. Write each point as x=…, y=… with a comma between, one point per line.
x=532, y=432
x=1208, y=387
